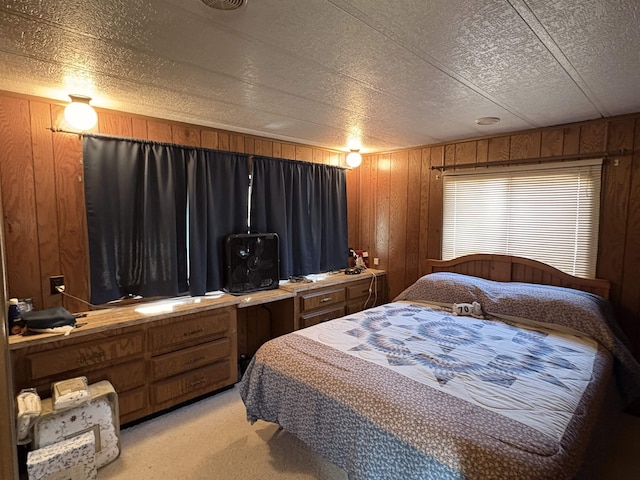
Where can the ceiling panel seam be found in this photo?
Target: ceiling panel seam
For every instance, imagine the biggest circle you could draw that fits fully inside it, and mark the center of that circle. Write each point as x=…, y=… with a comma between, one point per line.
x=533, y=22
x=362, y=17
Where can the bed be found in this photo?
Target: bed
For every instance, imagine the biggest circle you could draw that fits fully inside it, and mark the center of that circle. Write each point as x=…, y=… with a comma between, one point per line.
x=433, y=385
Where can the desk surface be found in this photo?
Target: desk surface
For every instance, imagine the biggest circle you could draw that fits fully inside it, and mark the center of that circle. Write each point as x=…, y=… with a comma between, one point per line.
x=133, y=314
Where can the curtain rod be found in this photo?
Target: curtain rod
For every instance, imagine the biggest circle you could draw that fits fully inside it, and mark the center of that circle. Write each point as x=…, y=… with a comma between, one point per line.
x=101, y=135
x=495, y=163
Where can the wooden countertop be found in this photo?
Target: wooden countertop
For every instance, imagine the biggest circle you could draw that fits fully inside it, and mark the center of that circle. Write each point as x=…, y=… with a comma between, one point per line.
x=123, y=316
x=329, y=279
x=108, y=318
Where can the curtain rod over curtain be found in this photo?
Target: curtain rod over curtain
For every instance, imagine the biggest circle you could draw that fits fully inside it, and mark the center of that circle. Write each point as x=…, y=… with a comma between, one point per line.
x=495, y=163
x=169, y=144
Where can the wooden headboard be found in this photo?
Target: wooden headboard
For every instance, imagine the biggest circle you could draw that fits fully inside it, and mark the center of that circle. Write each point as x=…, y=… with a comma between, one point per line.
x=506, y=268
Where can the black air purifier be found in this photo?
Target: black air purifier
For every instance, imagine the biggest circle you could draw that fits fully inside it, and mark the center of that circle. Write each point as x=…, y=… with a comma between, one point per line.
x=252, y=262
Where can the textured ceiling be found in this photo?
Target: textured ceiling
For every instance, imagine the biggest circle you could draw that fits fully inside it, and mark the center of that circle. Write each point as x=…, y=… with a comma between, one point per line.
x=391, y=74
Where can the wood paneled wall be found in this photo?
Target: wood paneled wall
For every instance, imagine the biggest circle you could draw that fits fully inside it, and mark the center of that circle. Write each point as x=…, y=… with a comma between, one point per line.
x=400, y=202
x=41, y=180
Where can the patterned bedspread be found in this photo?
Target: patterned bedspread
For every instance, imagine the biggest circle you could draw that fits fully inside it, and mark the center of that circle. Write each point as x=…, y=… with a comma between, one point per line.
x=409, y=391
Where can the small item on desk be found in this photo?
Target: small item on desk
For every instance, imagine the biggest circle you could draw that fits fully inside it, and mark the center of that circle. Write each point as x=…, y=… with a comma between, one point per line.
x=15, y=323
x=352, y=271
x=299, y=279
x=52, y=320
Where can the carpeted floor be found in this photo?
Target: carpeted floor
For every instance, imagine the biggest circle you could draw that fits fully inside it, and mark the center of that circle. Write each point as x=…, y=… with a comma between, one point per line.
x=211, y=439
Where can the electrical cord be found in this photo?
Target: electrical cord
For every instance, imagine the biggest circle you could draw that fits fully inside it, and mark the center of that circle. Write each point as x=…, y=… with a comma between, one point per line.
x=373, y=288
x=61, y=289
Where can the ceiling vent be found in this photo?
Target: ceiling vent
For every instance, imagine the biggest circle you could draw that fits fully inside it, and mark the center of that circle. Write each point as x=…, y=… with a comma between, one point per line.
x=225, y=4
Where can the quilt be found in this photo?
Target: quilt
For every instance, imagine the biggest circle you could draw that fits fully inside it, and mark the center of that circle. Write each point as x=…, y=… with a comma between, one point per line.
x=409, y=391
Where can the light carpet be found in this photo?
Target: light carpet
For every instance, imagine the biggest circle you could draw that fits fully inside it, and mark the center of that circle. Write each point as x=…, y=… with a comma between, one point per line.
x=211, y=439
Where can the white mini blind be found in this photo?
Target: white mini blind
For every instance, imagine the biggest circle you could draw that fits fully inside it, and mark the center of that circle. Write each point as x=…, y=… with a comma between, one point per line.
x=547, y=212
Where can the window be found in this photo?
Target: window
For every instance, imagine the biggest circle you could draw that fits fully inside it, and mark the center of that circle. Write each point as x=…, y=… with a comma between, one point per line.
x=549, y=213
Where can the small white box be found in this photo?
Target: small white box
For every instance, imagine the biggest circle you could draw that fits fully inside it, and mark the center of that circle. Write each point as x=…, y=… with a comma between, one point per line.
x=70, y=393
x=73, y=459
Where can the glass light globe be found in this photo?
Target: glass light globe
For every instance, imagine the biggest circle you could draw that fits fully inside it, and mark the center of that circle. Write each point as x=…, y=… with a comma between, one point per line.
x=354, y=159
x=79, y=114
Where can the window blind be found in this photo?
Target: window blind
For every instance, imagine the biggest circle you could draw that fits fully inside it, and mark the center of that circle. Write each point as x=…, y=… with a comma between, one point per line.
x=546, y=212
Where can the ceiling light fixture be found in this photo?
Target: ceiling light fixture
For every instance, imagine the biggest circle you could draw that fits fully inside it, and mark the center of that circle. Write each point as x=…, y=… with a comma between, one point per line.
x=79, y=114
x=354, y=159
x=487, y=120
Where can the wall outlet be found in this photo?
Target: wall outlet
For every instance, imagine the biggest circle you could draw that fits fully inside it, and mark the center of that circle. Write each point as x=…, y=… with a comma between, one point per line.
x=55, y=282
x=376, y=261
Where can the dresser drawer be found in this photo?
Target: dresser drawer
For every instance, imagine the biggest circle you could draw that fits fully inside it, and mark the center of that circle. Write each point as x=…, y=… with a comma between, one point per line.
x=88, y=355
x=190, y=385
x=123, y=377
x=132, y=404
x=359, y=290
x=189, y=329
x=322, y=299
x=189, y=358
x=321, y=316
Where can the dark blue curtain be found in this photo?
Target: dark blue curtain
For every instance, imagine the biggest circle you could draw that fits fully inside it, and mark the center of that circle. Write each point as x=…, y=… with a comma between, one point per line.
x=306, y=205
x=218, y=185
x=136, y=199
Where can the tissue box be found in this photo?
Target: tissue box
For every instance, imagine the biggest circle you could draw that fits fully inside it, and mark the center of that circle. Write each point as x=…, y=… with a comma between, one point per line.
x=99, y=415
x=72, y=459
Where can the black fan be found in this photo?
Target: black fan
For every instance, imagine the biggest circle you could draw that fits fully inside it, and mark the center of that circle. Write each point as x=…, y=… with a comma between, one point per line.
x=252, y=262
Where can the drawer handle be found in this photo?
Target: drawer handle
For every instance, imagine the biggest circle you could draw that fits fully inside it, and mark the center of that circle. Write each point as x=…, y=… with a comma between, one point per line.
x=193, y=332
x=196, y=384
x=326, y=299
x=93, y=358
x=194, y=360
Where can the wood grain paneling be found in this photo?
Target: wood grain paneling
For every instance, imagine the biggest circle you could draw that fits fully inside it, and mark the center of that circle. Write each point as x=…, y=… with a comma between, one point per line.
x=365, y=203
x=412, y=246
x=72, y=229
x=183, y=135
x=499, y=148
x=571, y=140
x=44, y=175
x=398, y=201
x=381, y=209
x=465, y=152
x=526, y=145
x=114, y=124
x=209, y=139
x=19, y=199
x=425, y=182
x=434, y=222
x=139, y=128
x=551, y=142
x=159, y=131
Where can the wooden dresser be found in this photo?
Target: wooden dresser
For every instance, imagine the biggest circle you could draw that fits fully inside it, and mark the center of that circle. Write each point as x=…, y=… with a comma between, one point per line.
x=336, y=295
x=153, y=360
